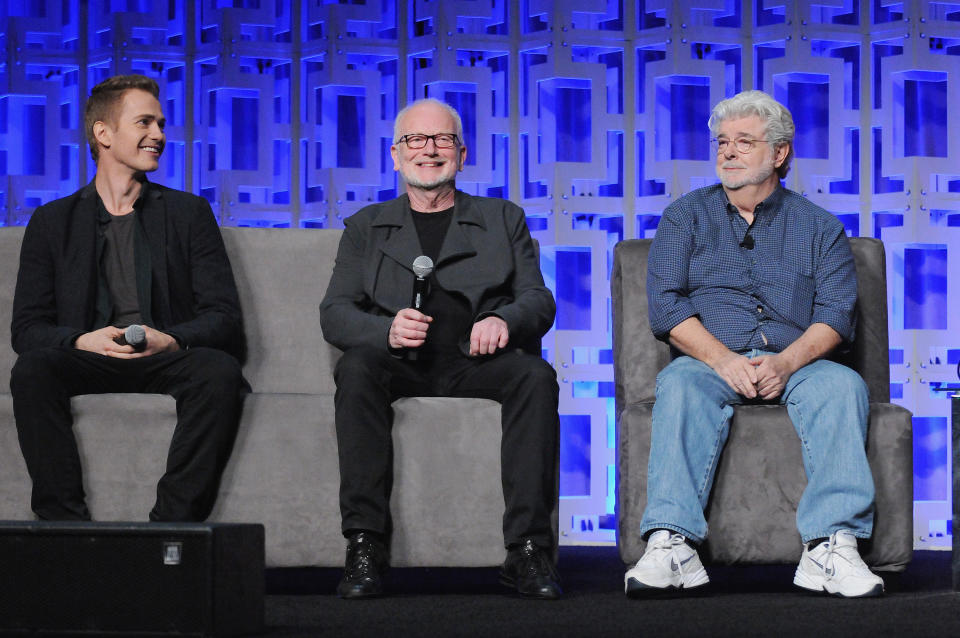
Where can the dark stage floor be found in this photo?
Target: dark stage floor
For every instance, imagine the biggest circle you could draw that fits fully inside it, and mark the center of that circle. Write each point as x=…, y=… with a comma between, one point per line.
x=743, y=601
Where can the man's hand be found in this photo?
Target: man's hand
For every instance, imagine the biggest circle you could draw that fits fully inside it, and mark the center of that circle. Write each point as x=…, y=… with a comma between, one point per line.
x=409, y=329
x=773, y=371
x=738, y=372
x=102, y=342
x=487, y=335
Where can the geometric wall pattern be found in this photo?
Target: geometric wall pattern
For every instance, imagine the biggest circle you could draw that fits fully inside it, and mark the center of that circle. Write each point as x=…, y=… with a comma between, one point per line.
x=591, y=114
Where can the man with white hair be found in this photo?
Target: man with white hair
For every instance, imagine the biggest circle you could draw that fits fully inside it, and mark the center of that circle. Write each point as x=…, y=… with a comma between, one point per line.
x=754, y=285
x=477, y=334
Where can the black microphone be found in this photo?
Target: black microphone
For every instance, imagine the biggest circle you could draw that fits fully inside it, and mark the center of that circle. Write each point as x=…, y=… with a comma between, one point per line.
x=747, y=242
x=134, y=336
x=422, y=267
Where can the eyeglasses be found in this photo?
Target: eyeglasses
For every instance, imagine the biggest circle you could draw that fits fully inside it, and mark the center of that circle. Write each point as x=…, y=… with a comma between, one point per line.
x=742, y=144
x=417, y=141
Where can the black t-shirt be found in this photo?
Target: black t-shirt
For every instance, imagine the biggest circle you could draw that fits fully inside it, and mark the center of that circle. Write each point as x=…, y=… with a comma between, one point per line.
x=119, y=268
x=452, y=317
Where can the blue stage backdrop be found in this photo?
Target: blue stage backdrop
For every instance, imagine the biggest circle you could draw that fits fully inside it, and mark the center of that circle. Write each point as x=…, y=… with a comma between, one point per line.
x=591, y=114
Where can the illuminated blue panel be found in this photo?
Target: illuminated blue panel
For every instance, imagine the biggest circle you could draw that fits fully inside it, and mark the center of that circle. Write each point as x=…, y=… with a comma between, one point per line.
x=762, y=53
x=574, y=455
x=466, y=104
x=774, y=15
x=885, y=219
x=568, y=102
x=850, y=54
x=645, y=187
x=931, y=470
x=882, y=50
x=881, y=183
x=573, y=288
x=851, y=148
x=885, y=11
x=925, y=287
x=807, y=96
x=244, y=147
x=851, y=223
x=351, y=129
x=34, y=139
x=652, y=20
x=925, y=117
x=689, y=109
x=729, y=54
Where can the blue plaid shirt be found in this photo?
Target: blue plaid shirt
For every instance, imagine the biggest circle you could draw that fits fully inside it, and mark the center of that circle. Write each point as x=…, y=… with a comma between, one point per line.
x=800, y=270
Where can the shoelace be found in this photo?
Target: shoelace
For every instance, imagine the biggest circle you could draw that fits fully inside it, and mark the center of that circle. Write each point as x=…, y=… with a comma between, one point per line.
x=362, y=560
x=535, y=563
x=845, y=552
x=672, y=544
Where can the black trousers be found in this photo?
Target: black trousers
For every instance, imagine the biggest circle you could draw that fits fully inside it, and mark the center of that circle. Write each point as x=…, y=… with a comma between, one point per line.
x=206, y=383
x=370, y=379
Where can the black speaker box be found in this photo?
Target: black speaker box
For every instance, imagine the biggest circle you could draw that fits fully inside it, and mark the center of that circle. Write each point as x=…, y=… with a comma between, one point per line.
x=171, y=579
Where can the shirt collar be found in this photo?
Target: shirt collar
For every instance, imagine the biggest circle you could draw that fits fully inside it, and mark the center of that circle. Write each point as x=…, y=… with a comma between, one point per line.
x=766, y=209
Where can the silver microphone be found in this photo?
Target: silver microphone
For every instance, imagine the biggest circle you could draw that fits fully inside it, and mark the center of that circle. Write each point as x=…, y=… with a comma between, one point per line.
x=422, y=267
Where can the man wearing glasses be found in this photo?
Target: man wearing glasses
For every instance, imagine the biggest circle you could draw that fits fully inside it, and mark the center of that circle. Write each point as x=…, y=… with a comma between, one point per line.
x=754, y=285
x=476, y=334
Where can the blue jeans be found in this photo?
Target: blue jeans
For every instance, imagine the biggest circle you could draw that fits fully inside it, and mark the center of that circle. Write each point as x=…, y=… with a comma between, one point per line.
x=828, y=405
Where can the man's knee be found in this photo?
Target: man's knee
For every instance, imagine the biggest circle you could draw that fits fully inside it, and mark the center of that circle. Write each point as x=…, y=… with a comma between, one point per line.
x=684, y=380
x=35, y=369
x=357, y=364
x=213, y=368
x=536, y=374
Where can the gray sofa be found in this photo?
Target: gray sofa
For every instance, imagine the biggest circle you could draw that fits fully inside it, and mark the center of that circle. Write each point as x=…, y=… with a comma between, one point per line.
x=447, y=500
x=752, y=510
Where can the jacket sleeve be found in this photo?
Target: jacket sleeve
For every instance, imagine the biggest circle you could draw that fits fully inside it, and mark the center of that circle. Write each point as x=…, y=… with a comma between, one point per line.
x=216, y=320
x=531, y=312
x=347, y=315
x=34, y=316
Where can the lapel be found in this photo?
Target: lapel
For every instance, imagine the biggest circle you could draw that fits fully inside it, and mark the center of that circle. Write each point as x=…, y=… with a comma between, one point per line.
x=402, y=244
x=154, y=221
x=81, y=250
x=457, y=243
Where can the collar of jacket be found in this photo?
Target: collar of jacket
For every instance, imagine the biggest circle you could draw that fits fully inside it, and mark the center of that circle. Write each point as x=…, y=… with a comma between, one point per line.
x=403, y=243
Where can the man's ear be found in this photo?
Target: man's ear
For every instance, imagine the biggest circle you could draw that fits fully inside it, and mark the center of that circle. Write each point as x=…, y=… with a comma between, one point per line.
x=102, y=133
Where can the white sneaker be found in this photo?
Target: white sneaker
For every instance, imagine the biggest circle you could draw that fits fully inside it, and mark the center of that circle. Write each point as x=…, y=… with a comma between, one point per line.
x=834, y=566
x=667, y=564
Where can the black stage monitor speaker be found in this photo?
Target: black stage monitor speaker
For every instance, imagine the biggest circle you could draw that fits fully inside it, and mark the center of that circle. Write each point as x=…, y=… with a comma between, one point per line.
x=172, y=579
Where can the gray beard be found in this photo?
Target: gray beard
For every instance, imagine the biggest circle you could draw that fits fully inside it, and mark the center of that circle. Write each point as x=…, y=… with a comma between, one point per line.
x=763, y=175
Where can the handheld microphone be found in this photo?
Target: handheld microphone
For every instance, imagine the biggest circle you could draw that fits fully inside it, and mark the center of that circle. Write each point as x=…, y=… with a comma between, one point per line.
x=422, y=267
x=134, y=336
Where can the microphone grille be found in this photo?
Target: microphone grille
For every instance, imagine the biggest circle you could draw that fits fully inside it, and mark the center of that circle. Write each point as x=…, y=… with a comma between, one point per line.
x=422, y=266
x=134, y=334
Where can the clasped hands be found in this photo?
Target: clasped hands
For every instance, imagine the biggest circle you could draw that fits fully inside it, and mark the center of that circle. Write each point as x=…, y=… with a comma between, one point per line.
x=103, y=342
x=409, y=330
x=764, y=376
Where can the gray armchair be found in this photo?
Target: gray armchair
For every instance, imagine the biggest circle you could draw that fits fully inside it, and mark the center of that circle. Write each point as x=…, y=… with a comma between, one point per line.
x=760, y=478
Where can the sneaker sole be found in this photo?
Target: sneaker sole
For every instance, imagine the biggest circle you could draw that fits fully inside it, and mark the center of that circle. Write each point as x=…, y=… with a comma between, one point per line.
x=815, y=587
x=635, y=589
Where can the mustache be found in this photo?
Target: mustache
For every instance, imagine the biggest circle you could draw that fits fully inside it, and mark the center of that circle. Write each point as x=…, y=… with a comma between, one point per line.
x=732, y=165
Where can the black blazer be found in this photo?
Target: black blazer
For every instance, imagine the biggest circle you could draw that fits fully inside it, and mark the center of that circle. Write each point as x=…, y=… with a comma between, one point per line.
x=487, y=256
x=192, y=294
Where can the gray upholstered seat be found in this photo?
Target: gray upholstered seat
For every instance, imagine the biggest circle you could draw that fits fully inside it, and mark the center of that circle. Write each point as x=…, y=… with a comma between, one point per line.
x=752, y=510
x=447, y=499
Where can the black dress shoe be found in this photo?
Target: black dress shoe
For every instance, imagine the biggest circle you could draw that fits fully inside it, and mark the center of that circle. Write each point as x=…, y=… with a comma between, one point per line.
x=366, y=562
x=530, y=570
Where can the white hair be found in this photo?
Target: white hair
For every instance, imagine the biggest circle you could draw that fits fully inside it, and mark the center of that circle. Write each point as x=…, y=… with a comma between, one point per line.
x=778, y=120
